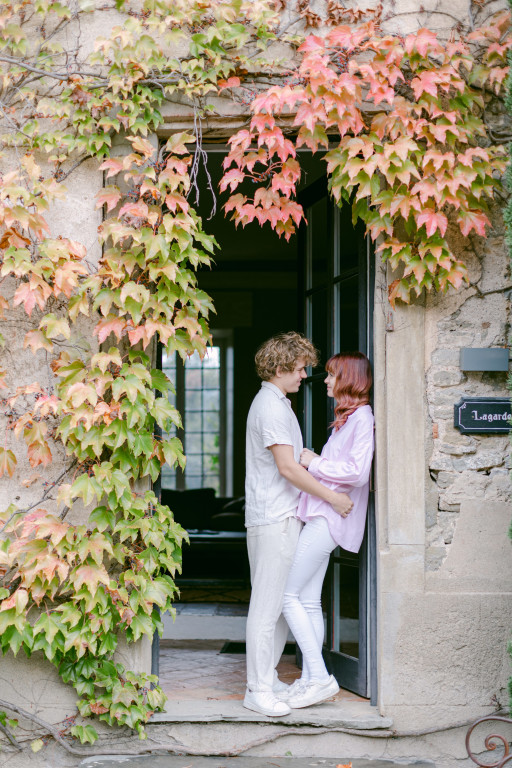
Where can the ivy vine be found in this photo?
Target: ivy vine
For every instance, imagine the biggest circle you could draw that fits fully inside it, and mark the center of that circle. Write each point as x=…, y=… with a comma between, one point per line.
x=411, y=153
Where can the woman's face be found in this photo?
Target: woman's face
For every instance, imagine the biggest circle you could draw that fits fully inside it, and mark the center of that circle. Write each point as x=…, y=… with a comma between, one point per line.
x=330, y=380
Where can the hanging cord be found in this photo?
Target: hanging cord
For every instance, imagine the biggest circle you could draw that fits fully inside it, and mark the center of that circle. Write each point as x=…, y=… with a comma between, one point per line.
x=200, y=155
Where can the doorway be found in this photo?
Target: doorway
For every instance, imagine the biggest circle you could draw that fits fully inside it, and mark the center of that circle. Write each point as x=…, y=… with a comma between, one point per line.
x=320, y=283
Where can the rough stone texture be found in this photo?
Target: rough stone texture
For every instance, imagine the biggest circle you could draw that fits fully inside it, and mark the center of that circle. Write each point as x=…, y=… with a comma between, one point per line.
x=465, y=467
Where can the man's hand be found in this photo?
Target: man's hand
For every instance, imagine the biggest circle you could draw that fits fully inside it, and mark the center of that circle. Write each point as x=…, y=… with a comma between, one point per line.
x=306, y=457
x=301, y=479
x=342, y=504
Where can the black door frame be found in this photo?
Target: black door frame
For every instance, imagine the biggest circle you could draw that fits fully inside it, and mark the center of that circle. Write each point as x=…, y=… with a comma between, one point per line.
x=359, y=675
x=367, y=585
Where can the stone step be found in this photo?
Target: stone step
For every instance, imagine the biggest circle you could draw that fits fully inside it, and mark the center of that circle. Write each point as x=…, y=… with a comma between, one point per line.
x=171, y=761
x=356, y=714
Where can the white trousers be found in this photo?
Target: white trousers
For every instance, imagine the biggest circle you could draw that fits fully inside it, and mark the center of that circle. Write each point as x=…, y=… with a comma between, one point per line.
x=271, y=549
x=302, y=606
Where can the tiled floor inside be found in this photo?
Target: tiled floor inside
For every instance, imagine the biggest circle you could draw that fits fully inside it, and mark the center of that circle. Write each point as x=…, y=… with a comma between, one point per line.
x=197, y=669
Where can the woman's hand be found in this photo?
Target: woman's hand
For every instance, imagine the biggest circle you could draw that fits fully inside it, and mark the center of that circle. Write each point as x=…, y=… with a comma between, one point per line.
x=307, y=457
x=342, y=504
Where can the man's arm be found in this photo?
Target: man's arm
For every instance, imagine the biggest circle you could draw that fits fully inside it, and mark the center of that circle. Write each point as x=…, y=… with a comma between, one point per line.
x=301, y=479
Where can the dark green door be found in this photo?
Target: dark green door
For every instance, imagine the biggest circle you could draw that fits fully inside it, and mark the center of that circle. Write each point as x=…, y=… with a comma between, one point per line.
x=335, y=310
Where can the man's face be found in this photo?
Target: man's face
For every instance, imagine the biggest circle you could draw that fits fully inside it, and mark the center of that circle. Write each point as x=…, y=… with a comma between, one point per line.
x=290, y=381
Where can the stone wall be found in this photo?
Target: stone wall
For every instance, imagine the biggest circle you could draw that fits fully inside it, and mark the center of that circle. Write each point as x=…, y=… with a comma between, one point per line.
x=465, y=467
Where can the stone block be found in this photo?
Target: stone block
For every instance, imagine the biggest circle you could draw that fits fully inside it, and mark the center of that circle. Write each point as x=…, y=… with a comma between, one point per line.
x=445, y=479
x=480, y=461
x=440, y=462
x=446, y=506
x=478, y=560
x=446, y=357
x=457, y=450
x=448, y=378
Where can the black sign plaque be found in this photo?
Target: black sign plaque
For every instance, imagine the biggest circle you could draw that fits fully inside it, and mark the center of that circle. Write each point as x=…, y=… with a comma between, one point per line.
x=483, y=414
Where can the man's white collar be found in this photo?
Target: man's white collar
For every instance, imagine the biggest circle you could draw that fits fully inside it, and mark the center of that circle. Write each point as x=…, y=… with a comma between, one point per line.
x=274, y=388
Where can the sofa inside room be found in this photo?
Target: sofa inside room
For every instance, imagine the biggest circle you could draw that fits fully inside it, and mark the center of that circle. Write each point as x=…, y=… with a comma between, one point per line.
x=217, y=549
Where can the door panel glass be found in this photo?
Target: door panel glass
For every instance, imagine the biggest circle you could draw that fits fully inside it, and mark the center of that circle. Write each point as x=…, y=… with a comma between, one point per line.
x=348, y=610
x=349, y=241
x=348, y=304
x=319, y=249
x=318, y=415
x=317, y=312
x=341, y=601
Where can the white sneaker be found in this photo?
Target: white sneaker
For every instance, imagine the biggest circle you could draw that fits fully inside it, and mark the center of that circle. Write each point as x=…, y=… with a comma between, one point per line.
x=291, y=690
x=279, y=686
x=265, y=703
x=313, y=693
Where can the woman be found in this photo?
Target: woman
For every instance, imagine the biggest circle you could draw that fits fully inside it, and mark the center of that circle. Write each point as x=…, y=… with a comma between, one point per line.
x=344, y=465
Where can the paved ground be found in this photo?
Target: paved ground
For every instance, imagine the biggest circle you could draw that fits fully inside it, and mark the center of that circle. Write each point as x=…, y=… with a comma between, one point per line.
x=197, y=670
x=164, y=761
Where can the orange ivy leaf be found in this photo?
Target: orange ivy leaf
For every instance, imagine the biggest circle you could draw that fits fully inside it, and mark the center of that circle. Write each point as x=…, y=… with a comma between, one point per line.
x=473, y=220
x=109, y=196
x=423, y=41
x=7, y=462
x=231, y=82
x=39, y=453
x=110, y=325
x=433, y=221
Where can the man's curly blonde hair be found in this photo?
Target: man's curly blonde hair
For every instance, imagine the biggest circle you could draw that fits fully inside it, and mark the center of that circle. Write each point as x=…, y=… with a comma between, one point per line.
x=283, y=351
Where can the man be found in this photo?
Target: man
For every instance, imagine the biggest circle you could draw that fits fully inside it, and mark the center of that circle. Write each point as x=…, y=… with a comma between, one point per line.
x=274, y=479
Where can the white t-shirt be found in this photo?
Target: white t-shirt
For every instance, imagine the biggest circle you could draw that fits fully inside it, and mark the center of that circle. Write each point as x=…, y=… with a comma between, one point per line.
x=269, y=498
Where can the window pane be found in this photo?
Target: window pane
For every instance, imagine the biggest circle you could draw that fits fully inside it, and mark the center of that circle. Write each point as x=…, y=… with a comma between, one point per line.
x=192, y=443
x=211, y=462
x=168, y=361
x=211, y=400
x=194, y=361
x=319, y=251
x=349, y=241
x=349, y=314
x=193, y=421
x=193, y=400
x=211, y=422
x=193, y=481
x=212, y=358
x=200, y=395
x=211, y=378
x=168, y=477
x=210, y=442
x=317, y=309
x=194, y=464
x=349, y=604
x=193, y=378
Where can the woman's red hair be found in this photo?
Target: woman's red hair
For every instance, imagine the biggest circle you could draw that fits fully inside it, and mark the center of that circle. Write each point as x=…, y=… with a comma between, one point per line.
x=353, y=381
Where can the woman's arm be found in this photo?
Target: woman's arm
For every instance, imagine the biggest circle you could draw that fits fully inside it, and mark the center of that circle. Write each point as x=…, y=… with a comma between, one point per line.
x=301, y=479
x=353, y=466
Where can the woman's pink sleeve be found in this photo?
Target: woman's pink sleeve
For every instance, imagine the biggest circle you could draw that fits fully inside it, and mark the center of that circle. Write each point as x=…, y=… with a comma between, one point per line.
x=353, y=466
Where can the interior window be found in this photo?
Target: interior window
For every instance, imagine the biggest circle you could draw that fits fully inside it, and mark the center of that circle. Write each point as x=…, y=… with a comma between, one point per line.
x=204, y=397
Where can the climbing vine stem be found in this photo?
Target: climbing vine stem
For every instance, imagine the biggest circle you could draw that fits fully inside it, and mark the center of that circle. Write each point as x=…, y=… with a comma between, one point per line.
x=400, y=122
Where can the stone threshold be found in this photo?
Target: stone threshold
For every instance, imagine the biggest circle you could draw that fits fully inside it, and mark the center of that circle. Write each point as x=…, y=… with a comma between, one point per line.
x=356, y=715
x=170, y=761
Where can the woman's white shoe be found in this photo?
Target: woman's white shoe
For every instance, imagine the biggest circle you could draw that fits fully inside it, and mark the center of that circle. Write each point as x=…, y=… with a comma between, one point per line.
x=265, y=703
x=291, y=690
x=313, y=693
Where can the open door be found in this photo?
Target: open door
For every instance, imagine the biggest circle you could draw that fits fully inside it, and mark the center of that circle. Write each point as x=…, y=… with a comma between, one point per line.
x=335, y=304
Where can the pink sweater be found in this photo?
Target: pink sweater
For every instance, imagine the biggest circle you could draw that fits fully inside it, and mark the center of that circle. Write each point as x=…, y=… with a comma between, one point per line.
x=344, y=465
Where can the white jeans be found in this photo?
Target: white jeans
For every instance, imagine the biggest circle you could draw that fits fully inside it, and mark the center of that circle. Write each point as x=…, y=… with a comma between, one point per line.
x=271, y=549
x=302, y=606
